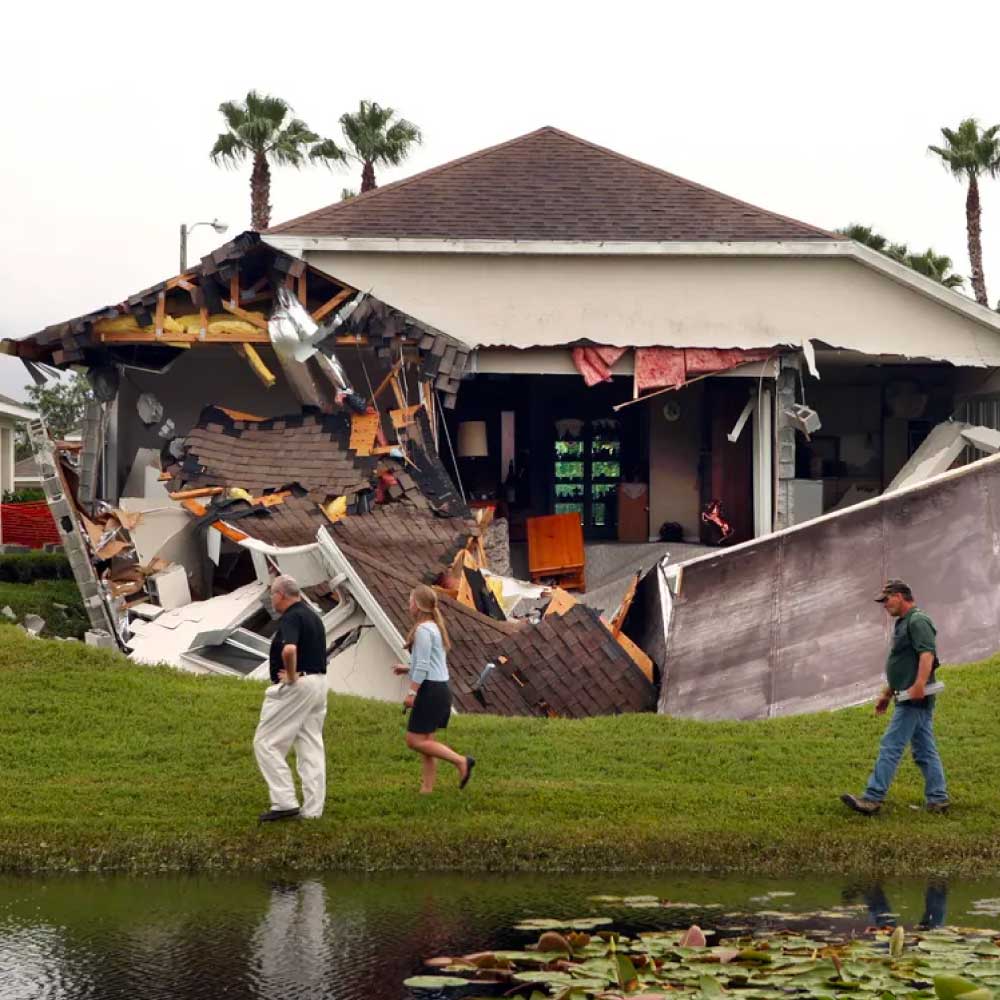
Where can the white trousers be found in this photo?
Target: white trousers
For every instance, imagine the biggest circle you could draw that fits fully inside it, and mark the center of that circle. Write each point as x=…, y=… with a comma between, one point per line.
x=292, y=716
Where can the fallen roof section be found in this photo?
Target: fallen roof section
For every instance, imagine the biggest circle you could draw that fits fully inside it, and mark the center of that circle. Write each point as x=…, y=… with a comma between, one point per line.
x=786, y=623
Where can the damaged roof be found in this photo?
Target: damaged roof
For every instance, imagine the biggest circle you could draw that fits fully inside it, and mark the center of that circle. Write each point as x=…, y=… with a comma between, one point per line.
x=231, y=280
x=424, y=520
x=548, y=185
x=568, y=666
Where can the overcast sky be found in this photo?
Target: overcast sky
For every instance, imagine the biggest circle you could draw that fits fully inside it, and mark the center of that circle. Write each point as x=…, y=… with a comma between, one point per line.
x=818, y=111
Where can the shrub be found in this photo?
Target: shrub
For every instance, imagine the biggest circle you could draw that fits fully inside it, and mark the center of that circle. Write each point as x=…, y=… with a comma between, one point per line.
x=26, y=567
x=30, y=494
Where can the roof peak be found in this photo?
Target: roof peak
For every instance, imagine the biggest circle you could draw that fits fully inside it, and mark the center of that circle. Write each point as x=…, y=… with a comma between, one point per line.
x=548, y=184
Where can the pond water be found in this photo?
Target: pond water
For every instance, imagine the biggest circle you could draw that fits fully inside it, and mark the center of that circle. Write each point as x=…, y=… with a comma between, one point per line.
x=356, y=938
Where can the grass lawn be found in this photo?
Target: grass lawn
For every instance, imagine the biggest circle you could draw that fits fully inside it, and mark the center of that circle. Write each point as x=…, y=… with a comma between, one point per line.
x=109, y=765
x=57, y=601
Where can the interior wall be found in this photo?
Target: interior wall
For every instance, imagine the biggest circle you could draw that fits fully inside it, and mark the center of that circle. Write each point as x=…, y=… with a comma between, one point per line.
x=674, y=455
x=200, y=377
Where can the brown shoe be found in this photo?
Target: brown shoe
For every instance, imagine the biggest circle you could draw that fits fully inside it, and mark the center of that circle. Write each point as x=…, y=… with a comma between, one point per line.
x=938, y=807
x=864, y=806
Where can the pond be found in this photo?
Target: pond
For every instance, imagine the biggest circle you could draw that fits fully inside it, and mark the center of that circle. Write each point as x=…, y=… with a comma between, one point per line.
x=355, y=938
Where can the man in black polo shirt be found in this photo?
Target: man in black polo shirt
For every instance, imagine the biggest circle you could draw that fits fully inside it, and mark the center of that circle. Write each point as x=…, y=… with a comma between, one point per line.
x=909, y=668
x=294, y=708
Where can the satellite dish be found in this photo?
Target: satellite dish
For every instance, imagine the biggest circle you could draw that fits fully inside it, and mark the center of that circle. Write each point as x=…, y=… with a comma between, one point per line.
x=671, y=410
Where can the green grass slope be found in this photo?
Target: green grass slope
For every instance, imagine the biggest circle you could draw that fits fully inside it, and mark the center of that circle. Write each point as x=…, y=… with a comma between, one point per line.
x=109, y=765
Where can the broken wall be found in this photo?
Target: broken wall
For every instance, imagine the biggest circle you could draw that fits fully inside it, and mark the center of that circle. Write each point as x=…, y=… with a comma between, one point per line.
x=205, y=375
x=202, y=375
x=787, y=623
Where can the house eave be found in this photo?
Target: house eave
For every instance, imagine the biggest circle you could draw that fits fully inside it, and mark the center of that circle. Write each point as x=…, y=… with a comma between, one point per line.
x=300, y=245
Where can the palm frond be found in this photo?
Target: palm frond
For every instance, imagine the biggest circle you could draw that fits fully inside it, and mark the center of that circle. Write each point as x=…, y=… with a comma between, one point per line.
x=865, y=235
x=969, y=151
x=228, y=150
x=272, y=109
x=374, y=137
x=328, y=151
x=234, y=113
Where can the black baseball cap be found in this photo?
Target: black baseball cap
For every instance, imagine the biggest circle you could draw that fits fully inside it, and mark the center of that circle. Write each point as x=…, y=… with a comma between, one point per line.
x=894, y=587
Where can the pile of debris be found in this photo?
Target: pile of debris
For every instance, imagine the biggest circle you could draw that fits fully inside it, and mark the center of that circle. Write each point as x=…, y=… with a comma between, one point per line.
x=346, y=492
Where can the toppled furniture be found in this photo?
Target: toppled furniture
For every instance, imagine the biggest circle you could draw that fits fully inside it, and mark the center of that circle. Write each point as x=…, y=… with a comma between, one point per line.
x=555, y=550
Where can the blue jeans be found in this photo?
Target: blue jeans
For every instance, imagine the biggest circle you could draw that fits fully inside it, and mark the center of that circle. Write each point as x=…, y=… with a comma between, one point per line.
x=914, y=726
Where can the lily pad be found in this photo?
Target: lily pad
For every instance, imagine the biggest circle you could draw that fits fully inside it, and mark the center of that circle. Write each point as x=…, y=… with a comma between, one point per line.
x=435, y=982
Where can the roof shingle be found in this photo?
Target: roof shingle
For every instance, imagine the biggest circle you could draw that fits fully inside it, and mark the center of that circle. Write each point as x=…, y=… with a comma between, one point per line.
x=548, y=185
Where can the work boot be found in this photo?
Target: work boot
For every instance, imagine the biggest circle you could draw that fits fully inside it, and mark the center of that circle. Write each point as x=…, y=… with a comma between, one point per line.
x=938, y=807
x=860, y=805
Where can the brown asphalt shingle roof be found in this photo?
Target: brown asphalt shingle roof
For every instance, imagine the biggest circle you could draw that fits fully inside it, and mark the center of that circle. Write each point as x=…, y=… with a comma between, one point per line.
x=310, y=453
x=568, y=666
x=549, y=185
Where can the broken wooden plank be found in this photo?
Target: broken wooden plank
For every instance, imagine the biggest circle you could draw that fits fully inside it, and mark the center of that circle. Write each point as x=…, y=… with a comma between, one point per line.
x=327, y=307
x=161, y=310
x=401, y=418
x=364, y=429
x=271, y=499
x=175, y=339
x=639, y=658
x=245, y=314
x=623, y=609
x=226, y=530
x=240, y=415
x=385, y=382
x=561, y=602
x=197, y=493
x=303, y=288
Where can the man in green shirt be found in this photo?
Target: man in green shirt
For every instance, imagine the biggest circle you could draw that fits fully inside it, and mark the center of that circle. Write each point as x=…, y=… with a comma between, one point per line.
x=909, y=668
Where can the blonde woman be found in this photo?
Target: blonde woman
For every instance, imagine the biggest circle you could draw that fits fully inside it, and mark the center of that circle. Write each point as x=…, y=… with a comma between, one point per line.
x=429, y=696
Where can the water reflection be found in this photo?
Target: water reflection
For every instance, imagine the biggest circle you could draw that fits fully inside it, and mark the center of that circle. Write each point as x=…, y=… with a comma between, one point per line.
x=881, y=913
x=348, y=938
x=289, y=950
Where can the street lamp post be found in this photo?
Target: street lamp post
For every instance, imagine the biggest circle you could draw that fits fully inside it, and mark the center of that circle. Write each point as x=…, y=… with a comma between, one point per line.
x=219, y=227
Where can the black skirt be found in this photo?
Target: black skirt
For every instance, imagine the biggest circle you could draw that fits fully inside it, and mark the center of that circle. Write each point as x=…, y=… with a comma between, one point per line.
x=431, y=708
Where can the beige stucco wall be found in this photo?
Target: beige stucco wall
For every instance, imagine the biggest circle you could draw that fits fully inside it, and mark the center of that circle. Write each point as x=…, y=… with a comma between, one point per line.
x=524, y=300
x=6, y=455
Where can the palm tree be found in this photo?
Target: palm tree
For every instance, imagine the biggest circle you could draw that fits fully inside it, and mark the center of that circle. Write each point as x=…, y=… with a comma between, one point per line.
x=935, y=266
x=969, y=155
x=374, y=139
x=260, y=127
x=865, y=235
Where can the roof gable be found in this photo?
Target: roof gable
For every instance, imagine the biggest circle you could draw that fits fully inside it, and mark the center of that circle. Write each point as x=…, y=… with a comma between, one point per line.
x=548, y=185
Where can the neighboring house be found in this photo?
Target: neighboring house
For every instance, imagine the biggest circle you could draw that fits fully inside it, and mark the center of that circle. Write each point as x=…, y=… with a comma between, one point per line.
x=11, y=414
x=26, y=475
x=527, y=249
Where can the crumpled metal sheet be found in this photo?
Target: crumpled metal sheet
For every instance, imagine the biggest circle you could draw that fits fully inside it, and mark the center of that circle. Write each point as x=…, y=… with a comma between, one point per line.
x=787, y=623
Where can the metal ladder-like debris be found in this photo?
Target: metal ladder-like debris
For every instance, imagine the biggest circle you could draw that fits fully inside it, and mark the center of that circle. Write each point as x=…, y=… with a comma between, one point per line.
x=91, y=590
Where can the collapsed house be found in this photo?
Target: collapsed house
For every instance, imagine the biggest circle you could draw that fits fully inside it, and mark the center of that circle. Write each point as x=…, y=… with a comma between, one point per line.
x=293, y=469
x=550, y=330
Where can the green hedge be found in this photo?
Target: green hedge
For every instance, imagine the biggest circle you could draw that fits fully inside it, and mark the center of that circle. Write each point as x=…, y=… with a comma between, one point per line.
x=26, y=567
